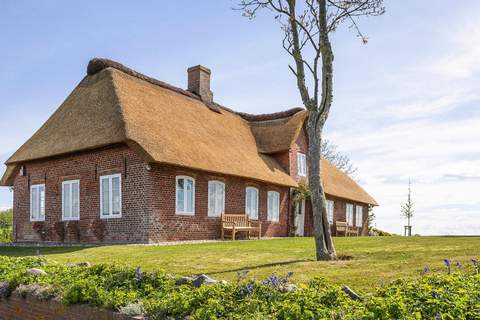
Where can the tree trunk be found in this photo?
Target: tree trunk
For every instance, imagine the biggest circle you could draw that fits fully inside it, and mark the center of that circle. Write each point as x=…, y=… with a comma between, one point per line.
x=321, y=228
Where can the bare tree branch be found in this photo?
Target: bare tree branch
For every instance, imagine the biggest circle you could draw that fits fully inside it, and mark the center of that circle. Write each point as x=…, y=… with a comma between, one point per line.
x=306, y=25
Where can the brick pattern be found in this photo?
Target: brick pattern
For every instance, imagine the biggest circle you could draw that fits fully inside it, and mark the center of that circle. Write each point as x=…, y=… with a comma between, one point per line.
x=86, y=167
x=166, y=225
x=29, y=308
x=148, y=200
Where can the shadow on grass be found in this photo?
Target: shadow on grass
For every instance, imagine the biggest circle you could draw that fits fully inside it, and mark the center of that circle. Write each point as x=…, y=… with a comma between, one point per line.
x=260, y=266
x=34, y=251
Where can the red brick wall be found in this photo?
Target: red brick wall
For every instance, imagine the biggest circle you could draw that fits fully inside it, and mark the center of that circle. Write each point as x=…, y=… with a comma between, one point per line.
x=87, y=167
x=166, y=225
x=18, y=308
x=148, y=199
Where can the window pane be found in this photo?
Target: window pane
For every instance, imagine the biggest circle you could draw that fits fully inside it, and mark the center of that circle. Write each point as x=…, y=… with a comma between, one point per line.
x=41, y=194
x=190, y=195
x=219, y=195
x=34, y=203
x=75, y=200
x=180, y=195
x=248, y=203
x=255, y=204
x=105, y=197
x=66, y=200
x=116, y=203
x=211, y=199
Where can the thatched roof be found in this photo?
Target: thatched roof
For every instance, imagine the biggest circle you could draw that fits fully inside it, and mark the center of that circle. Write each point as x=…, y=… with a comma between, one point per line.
x=165, y=124
x=340, y=185
x=278, y=134
x=168, y=126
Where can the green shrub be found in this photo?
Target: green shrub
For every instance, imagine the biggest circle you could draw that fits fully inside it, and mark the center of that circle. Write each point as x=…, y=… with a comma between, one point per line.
x=453, y=295
x=6, y=222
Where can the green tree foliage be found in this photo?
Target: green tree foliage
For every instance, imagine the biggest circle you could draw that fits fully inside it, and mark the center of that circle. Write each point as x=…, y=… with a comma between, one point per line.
x=6, y=222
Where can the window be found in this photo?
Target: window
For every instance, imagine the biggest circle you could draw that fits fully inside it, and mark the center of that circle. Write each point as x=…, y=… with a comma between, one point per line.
x=302, y=164
x=330, y=206
x=37, y=202
x=359, y=216
x=251, y=202
x=71, y=200
x=350, y=214
x=216, y=198
x=111, y=196
x=185, y=196
x=273, y=206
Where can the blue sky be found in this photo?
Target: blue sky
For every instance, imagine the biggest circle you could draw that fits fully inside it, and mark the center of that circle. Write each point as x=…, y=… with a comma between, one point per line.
x=405, y=105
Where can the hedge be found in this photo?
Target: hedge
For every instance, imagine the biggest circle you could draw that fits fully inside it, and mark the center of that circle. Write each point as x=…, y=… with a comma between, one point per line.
x=453, y=294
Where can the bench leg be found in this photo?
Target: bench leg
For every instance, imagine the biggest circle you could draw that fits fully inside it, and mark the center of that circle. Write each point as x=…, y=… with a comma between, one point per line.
x=233, y=234
x=222, y=234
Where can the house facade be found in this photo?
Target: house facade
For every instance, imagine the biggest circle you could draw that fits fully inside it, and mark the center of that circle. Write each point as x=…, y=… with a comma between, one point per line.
x=130, y=159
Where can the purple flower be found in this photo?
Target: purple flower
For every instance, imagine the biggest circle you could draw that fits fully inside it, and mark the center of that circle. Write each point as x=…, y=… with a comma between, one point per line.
x=458, y=264
x=289, y=274
x=447, y=264
x=246, y=290
x=439, y=316
x=138, y=275
x=474, y=261
x=434, y=295
x=273, y=281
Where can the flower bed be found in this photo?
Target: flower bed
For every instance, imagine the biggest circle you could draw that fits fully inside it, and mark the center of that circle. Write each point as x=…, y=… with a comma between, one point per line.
x=449, y=295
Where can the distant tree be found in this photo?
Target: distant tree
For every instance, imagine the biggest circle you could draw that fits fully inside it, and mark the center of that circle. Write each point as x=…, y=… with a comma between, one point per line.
x=406, y=210
x=338, y=159
x=6, y=218
x=371, y=217
x=307, y=25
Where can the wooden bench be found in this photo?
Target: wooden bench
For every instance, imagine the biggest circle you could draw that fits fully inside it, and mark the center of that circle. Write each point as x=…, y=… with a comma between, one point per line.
x=347, y=230
x=233, y=223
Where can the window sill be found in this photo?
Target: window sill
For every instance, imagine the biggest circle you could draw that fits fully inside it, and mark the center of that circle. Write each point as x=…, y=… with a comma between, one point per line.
x=70, y=219
x=37, y=220
x=111, y=216
x=188, y=214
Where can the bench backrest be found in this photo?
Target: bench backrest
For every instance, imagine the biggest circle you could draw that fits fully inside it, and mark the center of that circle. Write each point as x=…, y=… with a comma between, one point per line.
x=240, y=220
x=341, y=225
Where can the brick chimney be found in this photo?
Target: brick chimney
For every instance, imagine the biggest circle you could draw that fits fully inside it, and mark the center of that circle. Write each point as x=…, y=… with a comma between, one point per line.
x=199, y=82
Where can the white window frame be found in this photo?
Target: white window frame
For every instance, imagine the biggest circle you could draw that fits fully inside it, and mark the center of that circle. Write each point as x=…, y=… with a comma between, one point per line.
x=359, y=216
x=273, y=209
x=349, y=214
x=184, y=212
x=215, y=183
x=40, y=215
x=330, y=211
x=301, y=164
x=110, y=214
x=247, y=209
x=70, y=183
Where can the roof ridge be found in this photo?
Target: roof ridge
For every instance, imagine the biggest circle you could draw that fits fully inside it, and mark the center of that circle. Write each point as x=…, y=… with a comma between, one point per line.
x=96, y=65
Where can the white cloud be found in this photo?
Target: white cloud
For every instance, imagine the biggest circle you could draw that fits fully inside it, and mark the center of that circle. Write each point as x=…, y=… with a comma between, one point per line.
x=418, y=120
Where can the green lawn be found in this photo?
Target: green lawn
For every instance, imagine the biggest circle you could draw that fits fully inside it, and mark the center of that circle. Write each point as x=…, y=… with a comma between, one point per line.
x=374, y=259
